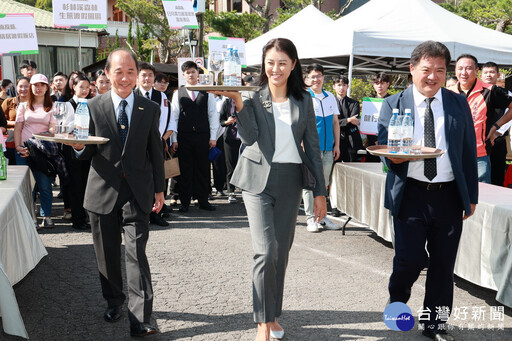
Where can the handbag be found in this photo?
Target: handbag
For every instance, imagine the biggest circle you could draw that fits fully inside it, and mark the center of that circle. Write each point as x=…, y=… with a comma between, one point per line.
x=171, y=166
x=308, y=180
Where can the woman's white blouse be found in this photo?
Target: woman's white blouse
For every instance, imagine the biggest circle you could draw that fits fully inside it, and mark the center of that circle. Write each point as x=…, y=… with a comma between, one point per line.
x=286, y=148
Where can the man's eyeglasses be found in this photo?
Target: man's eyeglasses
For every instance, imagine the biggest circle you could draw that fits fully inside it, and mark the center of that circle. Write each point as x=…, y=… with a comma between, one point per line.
x=314, y=78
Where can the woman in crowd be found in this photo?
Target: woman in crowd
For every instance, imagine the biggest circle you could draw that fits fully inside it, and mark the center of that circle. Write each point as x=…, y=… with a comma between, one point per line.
x=102, y=82
x=69, y=92
x=34, y=116
x=74, y=191
x=273, y=123
x=10, y=105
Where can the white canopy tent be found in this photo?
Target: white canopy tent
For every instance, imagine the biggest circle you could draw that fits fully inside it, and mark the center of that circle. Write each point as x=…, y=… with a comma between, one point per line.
x=380, y=36
x=303, y=29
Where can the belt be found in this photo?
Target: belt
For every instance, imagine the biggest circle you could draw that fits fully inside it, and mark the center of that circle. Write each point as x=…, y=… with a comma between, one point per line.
x=430, y=186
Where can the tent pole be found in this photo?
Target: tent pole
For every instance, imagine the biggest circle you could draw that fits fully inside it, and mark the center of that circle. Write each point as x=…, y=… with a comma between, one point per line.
x=350, y=67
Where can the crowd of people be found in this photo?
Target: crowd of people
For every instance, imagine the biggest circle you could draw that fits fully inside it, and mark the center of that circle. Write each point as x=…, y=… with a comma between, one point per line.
x=278, y=146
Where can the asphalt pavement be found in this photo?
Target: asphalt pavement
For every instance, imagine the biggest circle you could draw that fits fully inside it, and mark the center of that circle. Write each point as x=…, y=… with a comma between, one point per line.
x=336, y=285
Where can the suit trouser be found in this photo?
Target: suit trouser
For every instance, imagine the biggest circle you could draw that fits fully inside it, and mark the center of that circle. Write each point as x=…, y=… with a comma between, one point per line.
x=194, y=180
x=78, y=174
x=106, y=234
x=231, y=150
x=498, y=157
x=434, y=218
x=307, y=195
x=219, y=167
x=272, y=218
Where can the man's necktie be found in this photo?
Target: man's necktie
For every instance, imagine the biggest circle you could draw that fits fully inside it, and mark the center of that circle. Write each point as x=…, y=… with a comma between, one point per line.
x=192, y=96
x=147, y=95
x=429, y=134
x=122, y=121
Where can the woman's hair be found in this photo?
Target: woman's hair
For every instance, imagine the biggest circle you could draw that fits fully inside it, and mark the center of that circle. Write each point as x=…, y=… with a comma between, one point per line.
x=295, y=85
x=69, y=90
x=99, y=73
x=80, y=77
x=47, y=103
x=22, y=78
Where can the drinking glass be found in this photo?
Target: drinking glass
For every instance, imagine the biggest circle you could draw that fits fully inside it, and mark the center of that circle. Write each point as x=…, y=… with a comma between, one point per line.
x=60, y=112
x=216, y=64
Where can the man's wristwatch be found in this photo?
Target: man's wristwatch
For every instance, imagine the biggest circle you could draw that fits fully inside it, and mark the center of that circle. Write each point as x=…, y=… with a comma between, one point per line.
x=495, y=125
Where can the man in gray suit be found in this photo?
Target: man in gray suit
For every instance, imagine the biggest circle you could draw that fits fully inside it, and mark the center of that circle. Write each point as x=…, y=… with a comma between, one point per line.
x=126, y=175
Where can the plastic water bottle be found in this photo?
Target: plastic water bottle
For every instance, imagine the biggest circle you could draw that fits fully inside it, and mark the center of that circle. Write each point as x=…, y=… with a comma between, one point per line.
x=3, y=164
x=407, y=132
x=228, y=67
x=81, y=130
x=237, y=68
x=394, y=133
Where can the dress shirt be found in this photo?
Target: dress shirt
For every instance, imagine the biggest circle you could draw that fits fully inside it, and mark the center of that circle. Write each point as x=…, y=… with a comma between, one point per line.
x=444, y=166
x=164, y=111
x=213, y=114
x=286, y=148
x=116, y=99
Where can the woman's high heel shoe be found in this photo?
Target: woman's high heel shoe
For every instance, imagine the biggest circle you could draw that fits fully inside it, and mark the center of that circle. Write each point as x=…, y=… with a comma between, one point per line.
x=277, y=334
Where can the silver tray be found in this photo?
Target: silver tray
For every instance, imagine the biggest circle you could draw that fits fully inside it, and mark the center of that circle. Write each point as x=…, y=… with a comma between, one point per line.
x=426, y=153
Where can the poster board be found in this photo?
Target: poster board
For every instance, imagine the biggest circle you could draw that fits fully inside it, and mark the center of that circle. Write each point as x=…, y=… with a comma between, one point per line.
x=198, y=60
x=80, y=13
x=370, y=115
x=220, y=44
x=18, y=34
x=180, y=14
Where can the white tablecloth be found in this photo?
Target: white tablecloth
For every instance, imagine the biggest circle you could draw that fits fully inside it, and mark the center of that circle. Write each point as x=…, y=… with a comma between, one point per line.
x=485, y=251
x=21, y=247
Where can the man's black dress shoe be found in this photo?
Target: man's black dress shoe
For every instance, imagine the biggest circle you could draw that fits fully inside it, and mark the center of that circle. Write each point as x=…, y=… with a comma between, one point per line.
x=207, y=207
x=183, y=209
x=438, y=335
x=112, y=314
x=142, y=329
x=156, y=219
x=336, y=213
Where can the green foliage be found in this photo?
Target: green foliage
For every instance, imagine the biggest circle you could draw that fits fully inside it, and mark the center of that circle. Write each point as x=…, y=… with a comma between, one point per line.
x=150, y=14
x=494, y=14
x=28, y=2
x=44, y=4
x=361, y=88
x=129, y=37
x=291, y=7
x=233, y=24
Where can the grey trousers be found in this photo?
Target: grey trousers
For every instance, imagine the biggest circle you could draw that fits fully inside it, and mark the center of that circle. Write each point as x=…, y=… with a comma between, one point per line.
x=272, y=218
x=106, y=233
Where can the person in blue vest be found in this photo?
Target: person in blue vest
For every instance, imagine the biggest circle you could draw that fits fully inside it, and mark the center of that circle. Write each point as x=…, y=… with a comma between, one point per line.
x=327, y=124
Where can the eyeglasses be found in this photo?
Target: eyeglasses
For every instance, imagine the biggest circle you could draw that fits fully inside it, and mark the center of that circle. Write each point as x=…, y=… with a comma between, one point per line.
x=163, y=83
x=313, y=78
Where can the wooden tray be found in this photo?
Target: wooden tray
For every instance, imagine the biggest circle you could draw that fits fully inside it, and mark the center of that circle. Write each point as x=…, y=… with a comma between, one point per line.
x=426, y=153
x=90, y=139
x=222, y=88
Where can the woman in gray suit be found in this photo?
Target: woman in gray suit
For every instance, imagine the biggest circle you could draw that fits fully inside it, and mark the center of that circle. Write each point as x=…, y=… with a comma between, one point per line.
x=277, y=124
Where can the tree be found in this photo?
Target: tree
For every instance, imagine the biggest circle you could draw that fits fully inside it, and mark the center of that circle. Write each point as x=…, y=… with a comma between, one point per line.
x=495, y=14
x=44, y=4
x=151, y=15
x=232, y=24
x=292, y=7
x=263, y=12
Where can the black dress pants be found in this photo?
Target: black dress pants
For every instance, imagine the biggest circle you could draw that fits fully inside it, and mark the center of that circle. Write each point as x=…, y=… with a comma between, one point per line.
x=498, y=157
x=219, y=167
x=231, y=151
x=194, y=180
x=433, y=218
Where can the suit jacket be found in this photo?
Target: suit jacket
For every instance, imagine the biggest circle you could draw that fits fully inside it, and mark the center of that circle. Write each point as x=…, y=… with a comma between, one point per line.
x=460, y=141
x=141, y=159
x=349, y=133
x=256, y=127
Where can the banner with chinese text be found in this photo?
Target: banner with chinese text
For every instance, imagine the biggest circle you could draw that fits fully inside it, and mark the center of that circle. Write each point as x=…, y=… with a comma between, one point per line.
x=18, y=34
x=180, y=14
x=80, y=13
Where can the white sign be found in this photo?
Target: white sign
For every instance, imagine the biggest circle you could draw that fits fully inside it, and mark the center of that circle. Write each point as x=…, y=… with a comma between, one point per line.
x=220, y=44
x=370, y=115
x=18, y=34
x=199, y=6
x=180, y=14
x=80, y=13
x=198, y=60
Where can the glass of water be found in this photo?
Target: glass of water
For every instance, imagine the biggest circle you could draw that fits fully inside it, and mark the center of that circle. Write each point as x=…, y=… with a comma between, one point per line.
x=60, y=113
x=216, y=64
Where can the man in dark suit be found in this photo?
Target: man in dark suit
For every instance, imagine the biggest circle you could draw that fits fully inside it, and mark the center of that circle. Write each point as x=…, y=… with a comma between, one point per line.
x=428, y=198
x=350, y=138
x=126, y=177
